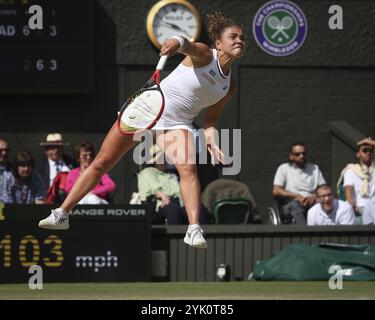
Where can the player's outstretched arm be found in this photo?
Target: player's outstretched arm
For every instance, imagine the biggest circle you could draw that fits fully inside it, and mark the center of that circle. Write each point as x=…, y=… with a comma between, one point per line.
x=198, y=52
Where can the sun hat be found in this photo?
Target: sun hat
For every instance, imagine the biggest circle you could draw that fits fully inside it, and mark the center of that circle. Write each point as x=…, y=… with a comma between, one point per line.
x=54, y=139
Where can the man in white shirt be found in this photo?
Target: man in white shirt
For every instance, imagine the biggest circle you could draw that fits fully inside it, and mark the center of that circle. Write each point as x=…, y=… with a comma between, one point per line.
x=328, y=210
x=55, y=160
x=295, y=183
x=359, y=178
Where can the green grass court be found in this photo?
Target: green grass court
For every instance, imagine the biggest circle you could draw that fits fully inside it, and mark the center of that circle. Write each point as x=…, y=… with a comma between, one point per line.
x=246, y=290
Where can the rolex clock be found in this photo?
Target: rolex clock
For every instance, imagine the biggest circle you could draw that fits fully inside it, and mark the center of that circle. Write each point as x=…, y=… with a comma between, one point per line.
x=169, y=18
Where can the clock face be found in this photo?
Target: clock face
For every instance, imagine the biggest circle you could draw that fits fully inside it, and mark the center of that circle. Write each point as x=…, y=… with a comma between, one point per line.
x=173, y=19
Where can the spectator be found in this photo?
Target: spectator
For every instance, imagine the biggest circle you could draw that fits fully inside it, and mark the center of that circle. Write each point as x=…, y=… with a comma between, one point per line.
x=328, y=210
x=56, y=193
x=295, y=184
x=22, y=185
x=155, y=181
x=85, y=153
x=359, y=178
x=5, y=166
x=55, y=161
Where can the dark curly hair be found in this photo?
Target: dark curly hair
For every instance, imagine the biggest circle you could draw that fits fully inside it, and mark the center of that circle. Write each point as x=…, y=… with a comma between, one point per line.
x=22, y=158
x=217, y=23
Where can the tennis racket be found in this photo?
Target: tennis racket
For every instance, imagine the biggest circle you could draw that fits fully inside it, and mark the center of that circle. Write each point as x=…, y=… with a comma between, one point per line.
x=144, y=108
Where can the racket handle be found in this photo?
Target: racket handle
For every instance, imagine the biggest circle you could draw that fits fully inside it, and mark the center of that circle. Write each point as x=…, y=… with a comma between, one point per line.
x=161, y=63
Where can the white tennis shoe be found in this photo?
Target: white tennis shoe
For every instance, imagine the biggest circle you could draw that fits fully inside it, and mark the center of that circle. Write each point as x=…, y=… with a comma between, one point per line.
x=57, y=220
x=195, y=238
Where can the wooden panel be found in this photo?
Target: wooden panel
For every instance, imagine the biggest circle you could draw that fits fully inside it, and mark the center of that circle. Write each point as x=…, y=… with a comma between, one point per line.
x=306, y=240
x=229, y=254
x=364, y=239
x=210, y=262
x=239, y=257
x=190, y=264
x=324, y=238
x=314, y=239
x=335, y=239
x=285, y=241
x=174, y=261
x=248, y=252
x=266, y=248
x=219, y=251
x=200, y=265
x=295, y=239
x=276, y=244
x=354, y=240
x=258, y=249
x=344, y=239
x=242, y=250
x=182, y=260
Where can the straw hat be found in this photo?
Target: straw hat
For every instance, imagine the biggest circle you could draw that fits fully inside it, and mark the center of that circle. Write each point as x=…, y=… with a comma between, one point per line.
x=54, y=139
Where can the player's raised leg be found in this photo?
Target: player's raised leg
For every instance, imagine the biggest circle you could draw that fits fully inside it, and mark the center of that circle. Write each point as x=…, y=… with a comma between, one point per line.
x=115, y=145
x=179, y=147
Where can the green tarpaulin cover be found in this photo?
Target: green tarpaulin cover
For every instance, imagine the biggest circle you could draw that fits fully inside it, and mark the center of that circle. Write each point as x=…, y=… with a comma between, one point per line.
x=312, y=262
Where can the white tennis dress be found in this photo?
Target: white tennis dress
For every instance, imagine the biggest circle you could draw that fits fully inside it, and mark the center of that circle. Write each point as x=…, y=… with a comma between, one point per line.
x=188, y=90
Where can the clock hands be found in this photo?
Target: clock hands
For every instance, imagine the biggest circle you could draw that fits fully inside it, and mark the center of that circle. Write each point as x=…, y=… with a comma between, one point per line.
x=173, y=26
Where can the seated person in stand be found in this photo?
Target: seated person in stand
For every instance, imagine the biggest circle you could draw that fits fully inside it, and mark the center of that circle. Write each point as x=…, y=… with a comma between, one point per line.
x=54, y=159
x=328, y=210
x=359, y=178
x=22, y=185
x=295, y=184
x=85, y=154
x=156, y=182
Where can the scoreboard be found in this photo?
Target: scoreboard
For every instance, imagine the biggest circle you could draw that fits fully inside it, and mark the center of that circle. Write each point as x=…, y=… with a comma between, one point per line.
x=55, y=59
x=103, y=244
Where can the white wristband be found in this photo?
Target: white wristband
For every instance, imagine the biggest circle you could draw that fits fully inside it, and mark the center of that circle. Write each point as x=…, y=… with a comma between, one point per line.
x=181, y=40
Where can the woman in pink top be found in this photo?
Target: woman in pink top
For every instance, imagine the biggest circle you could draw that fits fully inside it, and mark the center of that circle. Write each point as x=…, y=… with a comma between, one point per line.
x=85, y=154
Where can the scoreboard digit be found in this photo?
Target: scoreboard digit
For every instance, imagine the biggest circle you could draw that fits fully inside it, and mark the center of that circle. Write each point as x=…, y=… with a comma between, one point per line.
x=55, y=59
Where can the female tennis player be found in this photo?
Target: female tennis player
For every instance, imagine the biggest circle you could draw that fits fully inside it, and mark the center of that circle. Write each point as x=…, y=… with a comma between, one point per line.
x=202, y=79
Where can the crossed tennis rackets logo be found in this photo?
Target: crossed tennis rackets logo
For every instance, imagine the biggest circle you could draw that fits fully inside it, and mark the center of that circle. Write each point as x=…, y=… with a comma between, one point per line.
x=280, y=25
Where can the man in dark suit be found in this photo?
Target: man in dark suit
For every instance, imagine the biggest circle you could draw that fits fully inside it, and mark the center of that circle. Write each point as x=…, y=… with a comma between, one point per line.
x=55, y=160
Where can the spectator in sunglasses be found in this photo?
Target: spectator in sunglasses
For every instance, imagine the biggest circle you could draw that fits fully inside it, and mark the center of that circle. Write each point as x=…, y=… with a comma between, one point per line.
x=359, y=178
x=295, y=184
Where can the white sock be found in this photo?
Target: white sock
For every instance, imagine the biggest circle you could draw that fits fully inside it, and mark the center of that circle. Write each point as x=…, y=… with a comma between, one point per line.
x=193, y=226
x=61, y=211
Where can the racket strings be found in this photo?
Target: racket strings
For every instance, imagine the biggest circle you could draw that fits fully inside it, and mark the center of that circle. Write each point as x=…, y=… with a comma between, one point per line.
x=142, y=110
x=147, y=105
